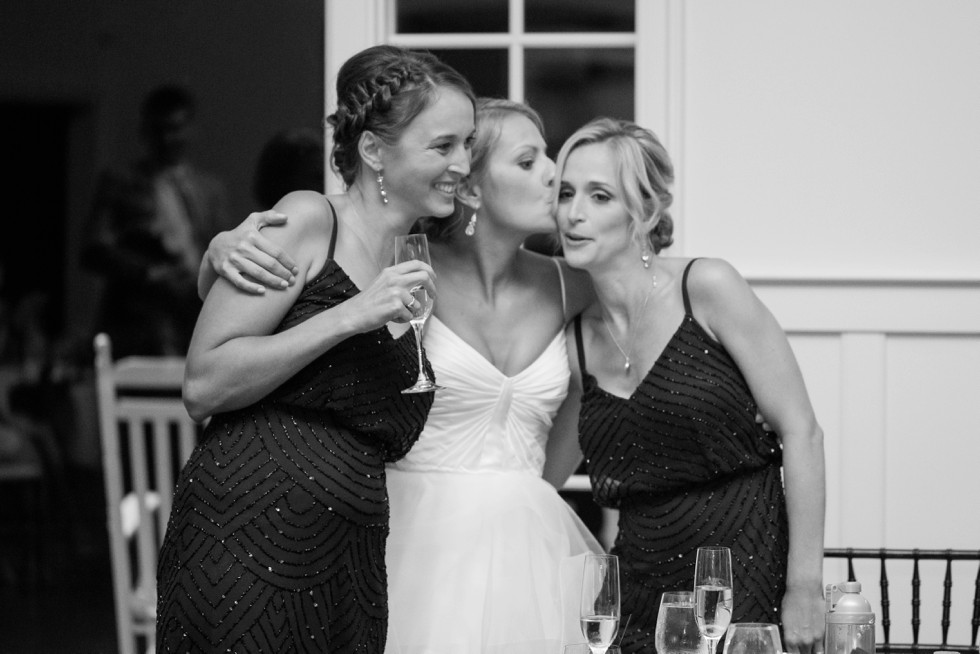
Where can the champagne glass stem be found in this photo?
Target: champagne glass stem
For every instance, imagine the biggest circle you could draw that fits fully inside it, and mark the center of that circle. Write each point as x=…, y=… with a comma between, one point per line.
x=417, y=328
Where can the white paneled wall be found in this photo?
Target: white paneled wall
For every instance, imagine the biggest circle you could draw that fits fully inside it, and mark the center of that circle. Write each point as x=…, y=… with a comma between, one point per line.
x=830, y=151
x=892, y=372
x=899, y=401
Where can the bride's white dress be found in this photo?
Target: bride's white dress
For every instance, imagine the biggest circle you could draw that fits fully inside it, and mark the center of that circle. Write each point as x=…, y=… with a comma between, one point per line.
x=483, y=555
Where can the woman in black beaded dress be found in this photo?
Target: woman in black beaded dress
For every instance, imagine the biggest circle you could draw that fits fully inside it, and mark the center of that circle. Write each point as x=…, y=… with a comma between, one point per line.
x=672, y=364
x=276, y=540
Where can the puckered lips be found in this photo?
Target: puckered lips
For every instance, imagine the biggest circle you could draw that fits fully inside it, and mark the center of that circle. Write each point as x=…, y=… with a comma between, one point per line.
x=573, y=239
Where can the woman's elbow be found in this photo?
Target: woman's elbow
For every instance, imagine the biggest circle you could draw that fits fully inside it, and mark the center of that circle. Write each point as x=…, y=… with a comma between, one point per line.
x=199, y=401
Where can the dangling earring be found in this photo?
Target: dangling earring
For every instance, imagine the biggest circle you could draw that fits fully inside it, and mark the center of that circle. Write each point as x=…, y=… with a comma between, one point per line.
x=646, y=257
x=381, y=187
x=471, y=226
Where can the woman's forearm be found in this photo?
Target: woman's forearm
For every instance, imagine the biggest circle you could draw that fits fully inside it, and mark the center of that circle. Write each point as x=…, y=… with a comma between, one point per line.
x=562, y=452
x=803, y=465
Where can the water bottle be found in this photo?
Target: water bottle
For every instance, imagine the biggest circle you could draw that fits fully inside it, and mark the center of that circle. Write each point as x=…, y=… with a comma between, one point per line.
x=850, y=621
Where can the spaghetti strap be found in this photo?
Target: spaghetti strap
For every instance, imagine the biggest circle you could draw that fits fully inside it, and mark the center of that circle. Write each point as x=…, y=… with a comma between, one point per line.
x=336, y=228
x=687, y=298
x=578, y=344
x=561, y=279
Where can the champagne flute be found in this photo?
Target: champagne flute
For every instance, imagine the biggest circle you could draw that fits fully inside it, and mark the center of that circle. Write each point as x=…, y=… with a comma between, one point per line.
x=713, y=593
x=407, y=248
x=677, y=629
x=753, y=638
x=599, y=610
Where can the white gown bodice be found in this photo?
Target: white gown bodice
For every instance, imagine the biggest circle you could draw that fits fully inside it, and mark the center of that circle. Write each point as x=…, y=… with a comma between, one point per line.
x=482, y=420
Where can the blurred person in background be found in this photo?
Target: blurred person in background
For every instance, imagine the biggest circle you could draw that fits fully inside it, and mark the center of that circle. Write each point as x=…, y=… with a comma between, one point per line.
x=151, y=221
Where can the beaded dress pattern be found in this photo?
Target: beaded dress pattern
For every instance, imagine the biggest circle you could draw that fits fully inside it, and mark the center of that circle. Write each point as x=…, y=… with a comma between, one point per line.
x=686, y=465
x=276, y=541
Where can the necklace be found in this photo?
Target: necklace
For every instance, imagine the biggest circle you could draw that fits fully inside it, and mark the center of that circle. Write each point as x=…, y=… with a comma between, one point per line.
x=628, y=354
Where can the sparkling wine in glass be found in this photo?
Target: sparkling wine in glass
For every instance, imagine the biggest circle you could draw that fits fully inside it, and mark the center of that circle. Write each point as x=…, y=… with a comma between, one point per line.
x=713, y=593
x=677, y=629
x=407, y=248
x=599, y=610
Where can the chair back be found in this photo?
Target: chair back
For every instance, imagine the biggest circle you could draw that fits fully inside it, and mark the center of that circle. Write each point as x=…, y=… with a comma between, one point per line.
x=146, y=437
x=887, y=562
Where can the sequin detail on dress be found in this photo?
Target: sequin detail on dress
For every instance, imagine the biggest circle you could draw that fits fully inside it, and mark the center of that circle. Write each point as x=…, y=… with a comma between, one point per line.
x=276, y=540
x=686, y=465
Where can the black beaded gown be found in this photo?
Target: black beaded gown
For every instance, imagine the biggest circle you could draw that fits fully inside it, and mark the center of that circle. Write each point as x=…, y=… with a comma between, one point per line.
x=276, y=540
x=686, y=465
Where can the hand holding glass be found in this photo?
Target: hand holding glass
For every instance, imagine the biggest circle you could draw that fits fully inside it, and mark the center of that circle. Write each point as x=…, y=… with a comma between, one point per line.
x=599, y=612
x=677, y=629
x=408, y=248
x=753, y=638
x=713, y=593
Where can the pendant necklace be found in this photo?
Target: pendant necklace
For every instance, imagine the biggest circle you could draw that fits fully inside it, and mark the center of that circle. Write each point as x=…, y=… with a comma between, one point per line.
x=628, y=354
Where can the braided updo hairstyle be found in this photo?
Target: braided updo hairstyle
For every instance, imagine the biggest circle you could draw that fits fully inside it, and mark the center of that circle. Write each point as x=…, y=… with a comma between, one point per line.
x=644, y=173
x=381, y=90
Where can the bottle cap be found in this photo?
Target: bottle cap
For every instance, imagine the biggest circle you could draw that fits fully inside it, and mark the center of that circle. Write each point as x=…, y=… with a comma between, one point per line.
x=845, y=604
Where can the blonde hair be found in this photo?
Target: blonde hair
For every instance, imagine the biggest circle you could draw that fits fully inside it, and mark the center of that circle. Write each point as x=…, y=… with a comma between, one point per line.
x=643, y=171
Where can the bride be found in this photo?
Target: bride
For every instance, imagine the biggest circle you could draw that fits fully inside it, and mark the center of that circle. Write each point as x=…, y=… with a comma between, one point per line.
x=483, y=555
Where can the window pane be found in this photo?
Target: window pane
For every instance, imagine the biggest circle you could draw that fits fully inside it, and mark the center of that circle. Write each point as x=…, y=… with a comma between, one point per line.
x=485, y=69
x=570, y=87
x=440, y=16
x=579, y=15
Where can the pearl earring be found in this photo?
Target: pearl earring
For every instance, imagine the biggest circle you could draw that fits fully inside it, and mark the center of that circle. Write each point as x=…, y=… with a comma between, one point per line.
x=381, y=188
x=471, y=226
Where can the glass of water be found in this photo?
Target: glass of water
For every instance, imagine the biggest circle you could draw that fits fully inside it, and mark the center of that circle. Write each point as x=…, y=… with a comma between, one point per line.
x=677, y=628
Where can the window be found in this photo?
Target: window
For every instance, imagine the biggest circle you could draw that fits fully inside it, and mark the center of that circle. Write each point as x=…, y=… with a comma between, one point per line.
x=572, y=60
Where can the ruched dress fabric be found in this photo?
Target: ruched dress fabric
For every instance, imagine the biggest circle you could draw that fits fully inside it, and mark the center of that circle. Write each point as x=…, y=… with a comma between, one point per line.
x=484, y=556
x=277, y=534
x=686, y=464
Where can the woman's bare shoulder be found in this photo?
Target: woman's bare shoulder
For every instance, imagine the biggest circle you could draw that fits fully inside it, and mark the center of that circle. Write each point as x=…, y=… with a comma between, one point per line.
x=309, y=214
x=713, y=279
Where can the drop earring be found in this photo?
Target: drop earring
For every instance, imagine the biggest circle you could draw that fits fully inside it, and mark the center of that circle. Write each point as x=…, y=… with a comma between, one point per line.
x=471, y=226
x=381, y=188
x=646, y=257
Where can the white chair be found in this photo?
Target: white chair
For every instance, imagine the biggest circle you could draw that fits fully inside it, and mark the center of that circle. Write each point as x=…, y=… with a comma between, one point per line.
x=146, y=437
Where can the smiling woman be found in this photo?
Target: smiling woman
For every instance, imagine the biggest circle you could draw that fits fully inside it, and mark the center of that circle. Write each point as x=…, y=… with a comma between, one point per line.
x=283, y=507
